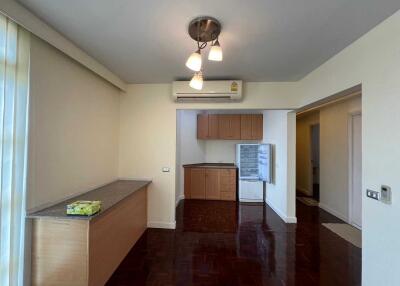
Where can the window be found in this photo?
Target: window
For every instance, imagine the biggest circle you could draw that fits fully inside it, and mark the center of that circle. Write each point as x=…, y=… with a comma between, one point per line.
x=14, y=87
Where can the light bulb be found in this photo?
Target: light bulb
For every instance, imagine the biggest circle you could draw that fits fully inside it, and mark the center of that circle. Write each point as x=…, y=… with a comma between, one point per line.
x=197, y=81
x=215, y=53
x=194, y=61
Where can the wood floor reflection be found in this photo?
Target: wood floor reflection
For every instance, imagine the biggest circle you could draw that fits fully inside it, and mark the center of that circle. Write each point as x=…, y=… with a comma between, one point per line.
x=227, y=243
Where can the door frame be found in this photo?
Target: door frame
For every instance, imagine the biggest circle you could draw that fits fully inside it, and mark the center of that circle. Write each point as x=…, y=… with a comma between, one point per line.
x=350, y=118
x=311, y=175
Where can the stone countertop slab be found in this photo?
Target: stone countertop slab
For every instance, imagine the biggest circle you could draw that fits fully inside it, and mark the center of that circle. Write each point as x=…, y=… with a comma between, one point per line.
x=212, y=165
x=109, y=195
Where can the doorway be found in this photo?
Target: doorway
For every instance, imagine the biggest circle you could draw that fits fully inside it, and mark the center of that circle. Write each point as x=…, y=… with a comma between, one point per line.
x=314, y=160
x=355, y=169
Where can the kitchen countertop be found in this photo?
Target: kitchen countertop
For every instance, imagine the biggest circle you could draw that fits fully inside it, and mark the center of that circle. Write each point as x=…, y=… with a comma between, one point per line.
x=109, y=195
x=212, y=165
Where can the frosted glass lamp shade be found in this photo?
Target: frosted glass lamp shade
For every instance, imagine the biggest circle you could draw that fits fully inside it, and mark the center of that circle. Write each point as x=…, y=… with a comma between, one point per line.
x=197, y=81
x=215, y=53
x=194, y=61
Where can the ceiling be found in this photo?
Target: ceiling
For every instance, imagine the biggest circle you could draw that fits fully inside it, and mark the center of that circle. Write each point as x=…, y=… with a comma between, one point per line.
x=262, y=40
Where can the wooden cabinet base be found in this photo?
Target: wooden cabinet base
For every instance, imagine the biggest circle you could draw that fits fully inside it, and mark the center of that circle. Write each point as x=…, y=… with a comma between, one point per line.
x=204, y=183
x=86, y=252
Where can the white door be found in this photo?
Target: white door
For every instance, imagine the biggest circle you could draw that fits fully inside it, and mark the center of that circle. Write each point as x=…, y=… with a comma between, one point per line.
x=356, y=186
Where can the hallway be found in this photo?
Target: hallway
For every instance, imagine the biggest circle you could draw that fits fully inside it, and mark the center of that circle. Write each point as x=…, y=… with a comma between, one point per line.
x=224, y=243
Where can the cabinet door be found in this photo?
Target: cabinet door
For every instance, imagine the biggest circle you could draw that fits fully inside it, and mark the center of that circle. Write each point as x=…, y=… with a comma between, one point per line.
x=228, y=180
x=212, y=184
x=245, y=126
x=224, y=126
x=202, y=126
x=197, y=183
x=235, y=126
x=187, y=182
x=228, y=184
x=229, y=126
x=213, y=126
x=257, y=127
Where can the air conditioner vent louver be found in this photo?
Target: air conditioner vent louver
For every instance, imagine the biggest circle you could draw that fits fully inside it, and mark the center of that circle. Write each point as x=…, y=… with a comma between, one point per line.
x=213, y=91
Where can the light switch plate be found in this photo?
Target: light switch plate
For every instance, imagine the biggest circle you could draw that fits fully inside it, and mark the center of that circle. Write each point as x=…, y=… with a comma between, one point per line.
x=373, y=195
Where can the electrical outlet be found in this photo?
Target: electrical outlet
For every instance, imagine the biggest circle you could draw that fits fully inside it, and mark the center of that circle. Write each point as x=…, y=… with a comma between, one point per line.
x=373, y=195
x=386, y=194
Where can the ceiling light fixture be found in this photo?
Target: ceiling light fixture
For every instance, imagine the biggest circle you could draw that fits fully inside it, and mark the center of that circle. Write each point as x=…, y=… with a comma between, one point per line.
x=215, y=53
x=203, y=30
x=194, y=61
x=197, y=81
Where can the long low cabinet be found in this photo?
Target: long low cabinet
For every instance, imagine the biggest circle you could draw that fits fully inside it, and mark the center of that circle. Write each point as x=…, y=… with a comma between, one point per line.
x=210, y=183
x=230, y=126
x=85, y=251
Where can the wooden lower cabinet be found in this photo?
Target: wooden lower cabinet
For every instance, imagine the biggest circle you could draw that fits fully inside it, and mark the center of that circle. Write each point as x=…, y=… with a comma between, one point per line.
x=228, y=196
x=85, y=252
x=210, y=184
x=197, y=183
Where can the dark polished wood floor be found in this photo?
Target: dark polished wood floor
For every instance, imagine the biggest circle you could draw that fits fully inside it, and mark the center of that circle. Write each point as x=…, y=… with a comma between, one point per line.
x=227, y=243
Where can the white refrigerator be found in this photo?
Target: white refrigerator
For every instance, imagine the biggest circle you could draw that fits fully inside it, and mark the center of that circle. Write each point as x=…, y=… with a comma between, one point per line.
x=254, y=162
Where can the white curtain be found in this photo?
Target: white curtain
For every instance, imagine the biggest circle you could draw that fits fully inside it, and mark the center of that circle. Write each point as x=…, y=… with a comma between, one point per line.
x=14, y=88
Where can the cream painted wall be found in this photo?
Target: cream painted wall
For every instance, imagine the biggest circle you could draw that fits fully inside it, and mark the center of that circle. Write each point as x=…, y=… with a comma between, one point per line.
x=303, y=151
x=223, y=151
x=148, y=135
x=374, y=61
x=148, y=143
x=189, y=150
x=279, y=130
x=334, y=156
x=73, y=127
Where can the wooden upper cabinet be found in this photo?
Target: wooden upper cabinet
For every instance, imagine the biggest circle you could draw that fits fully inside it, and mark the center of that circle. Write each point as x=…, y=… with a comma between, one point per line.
x=212, y=184
x=251, y=126
x=213, y=126
x=235, y=126
x=207, y=126
x=202, y=126
x=257, y=126
x=229, y=126
x=224, y=126
x=245, y=127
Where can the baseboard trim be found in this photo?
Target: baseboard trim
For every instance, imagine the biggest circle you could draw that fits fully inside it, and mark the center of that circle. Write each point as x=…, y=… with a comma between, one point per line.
x=161, y=224
x=332, y=212
x=181, y=197
x=135, y=178
x=286, y=219
x=291, y=219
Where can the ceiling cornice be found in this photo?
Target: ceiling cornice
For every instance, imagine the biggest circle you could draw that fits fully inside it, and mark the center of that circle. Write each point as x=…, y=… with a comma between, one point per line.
x=36, y=26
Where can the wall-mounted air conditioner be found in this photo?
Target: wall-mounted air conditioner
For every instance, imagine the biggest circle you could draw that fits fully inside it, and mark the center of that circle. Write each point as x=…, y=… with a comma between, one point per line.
x=214, y=90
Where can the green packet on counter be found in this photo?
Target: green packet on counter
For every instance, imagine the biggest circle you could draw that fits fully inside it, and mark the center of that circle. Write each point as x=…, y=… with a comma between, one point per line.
x=86, y=208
